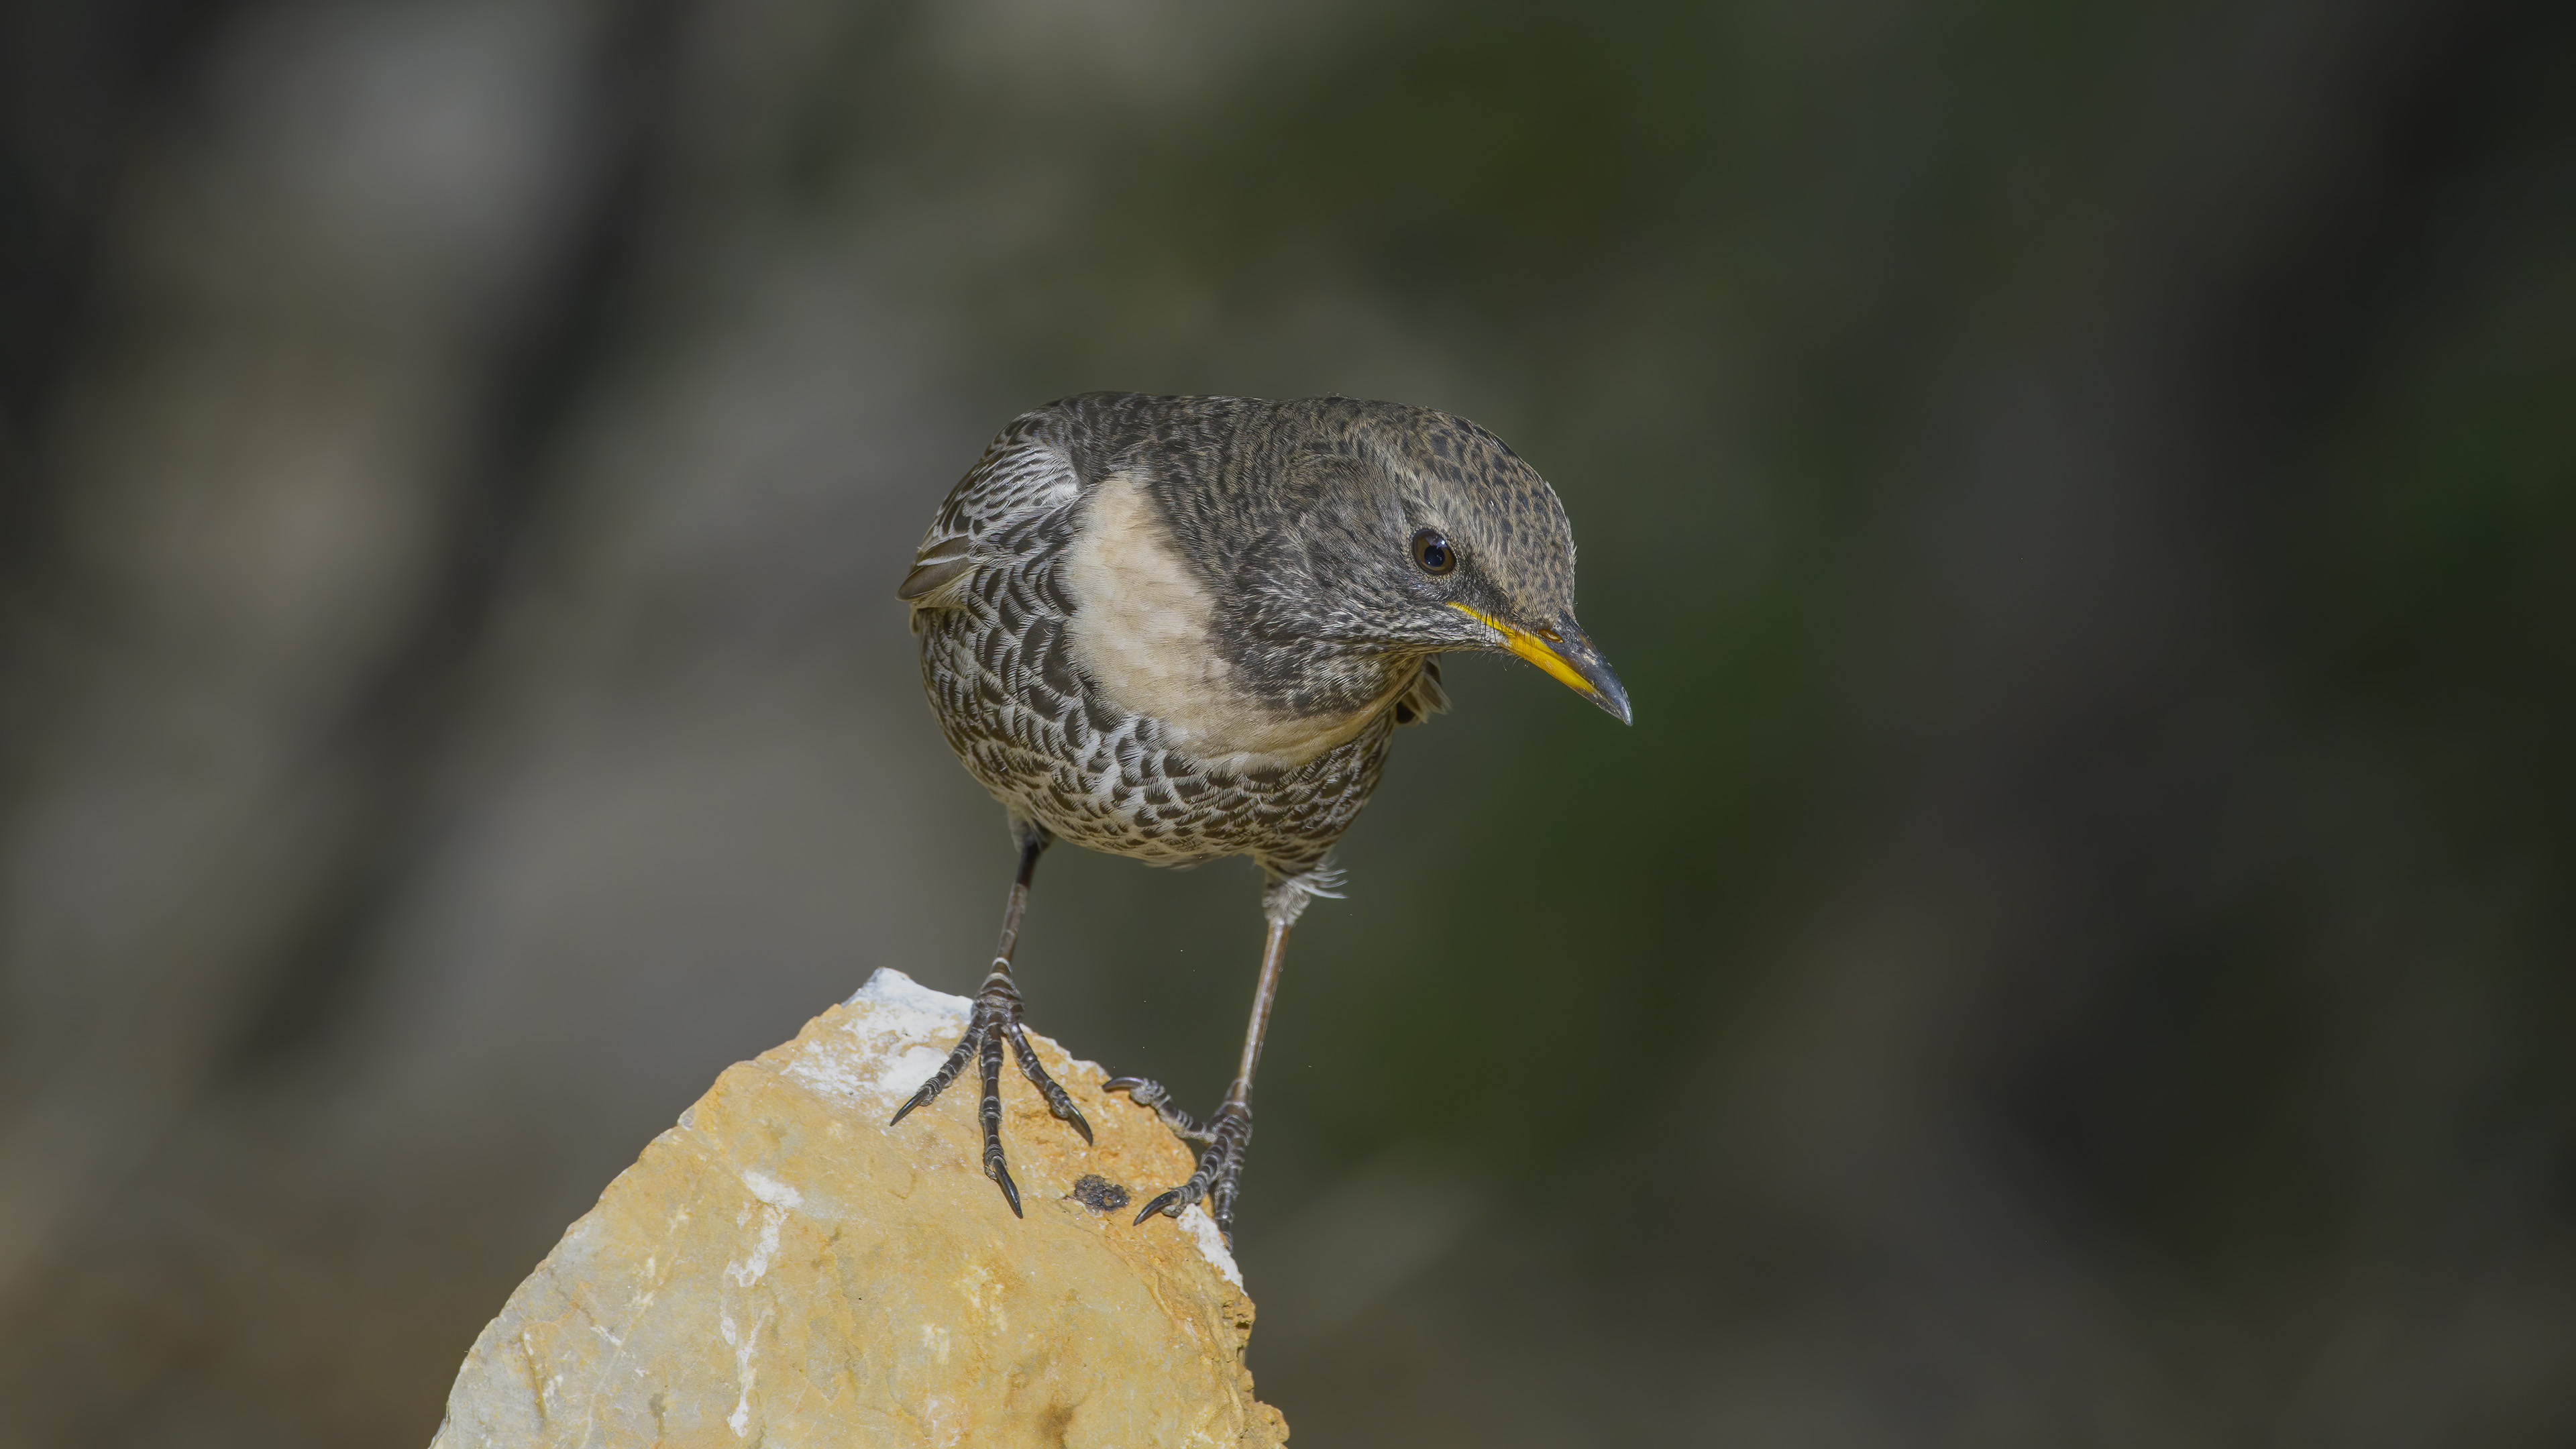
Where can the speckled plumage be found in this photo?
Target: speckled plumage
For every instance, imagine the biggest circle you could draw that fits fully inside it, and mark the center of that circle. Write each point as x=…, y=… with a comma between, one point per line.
x=1042, y=738
x=1177, y=629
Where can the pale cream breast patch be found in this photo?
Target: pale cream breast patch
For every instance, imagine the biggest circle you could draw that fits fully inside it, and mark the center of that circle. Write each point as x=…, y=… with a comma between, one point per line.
x=1139, y=628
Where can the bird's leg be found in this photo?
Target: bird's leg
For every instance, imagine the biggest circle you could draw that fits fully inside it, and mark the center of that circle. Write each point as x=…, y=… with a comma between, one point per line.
x=995, y=1020
x=1229, y=1133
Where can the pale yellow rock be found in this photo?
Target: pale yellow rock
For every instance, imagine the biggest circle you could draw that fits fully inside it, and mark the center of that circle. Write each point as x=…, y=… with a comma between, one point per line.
x=783, y=1269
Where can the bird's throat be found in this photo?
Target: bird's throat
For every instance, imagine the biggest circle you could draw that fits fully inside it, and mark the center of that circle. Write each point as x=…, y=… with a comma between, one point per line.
x=1142, y=630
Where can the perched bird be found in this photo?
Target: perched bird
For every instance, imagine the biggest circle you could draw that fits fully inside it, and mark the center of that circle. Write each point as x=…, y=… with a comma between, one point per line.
x=1179, y=628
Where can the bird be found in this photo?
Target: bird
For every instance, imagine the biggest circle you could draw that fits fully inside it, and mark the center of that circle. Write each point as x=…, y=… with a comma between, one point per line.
x=1179, y=629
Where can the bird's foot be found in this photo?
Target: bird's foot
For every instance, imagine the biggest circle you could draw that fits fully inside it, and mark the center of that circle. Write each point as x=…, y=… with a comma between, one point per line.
x=996, y=1019
x=1152, y=1094
x=1220, y=1170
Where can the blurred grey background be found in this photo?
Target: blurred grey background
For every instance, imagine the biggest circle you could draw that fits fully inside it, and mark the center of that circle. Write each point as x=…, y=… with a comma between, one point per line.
x=2075, y=950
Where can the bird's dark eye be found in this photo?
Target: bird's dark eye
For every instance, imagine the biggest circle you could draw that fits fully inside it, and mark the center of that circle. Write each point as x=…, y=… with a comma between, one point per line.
x=1433, y=552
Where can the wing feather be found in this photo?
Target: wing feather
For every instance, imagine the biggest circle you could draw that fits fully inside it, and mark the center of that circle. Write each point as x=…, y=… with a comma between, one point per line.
x=1026, y=472
x=1425, y=698
x=941, y=562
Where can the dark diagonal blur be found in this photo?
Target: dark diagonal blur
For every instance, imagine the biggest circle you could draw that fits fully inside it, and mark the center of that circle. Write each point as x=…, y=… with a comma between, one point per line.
x=2075, y=950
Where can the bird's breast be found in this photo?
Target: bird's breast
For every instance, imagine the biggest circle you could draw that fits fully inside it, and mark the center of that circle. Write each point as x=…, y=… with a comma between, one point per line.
x=1140, y=630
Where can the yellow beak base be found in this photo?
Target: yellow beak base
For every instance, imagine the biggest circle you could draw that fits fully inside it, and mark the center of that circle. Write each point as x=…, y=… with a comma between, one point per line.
x=1595, y=683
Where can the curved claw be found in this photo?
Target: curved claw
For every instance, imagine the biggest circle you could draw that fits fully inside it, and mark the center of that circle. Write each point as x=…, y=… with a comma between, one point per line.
x=1057, y=1100
x=905, y=1110
x=1218, y=1177
x=947, y=1072
x=995, y=1020
x=1151, y=1094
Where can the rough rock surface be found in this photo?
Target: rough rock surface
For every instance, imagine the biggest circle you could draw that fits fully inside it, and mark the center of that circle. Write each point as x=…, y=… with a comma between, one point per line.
x=781, y=1268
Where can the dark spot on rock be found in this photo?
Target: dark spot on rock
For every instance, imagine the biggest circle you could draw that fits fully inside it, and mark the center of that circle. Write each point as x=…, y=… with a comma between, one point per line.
x=1098, y=1193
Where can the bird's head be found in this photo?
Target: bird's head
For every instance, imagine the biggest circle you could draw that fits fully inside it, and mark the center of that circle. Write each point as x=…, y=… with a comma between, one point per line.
x=1412, y=531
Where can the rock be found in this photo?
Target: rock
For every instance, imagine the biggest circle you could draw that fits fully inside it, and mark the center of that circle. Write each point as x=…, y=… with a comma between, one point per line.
x=782, y=1268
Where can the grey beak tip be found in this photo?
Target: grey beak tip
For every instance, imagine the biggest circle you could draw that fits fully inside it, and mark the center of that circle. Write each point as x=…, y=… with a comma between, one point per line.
x=1614, y=702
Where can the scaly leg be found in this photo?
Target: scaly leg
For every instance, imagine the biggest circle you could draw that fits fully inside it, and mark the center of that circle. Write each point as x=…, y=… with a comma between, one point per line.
x=1229, y=1133
x=995, y=1020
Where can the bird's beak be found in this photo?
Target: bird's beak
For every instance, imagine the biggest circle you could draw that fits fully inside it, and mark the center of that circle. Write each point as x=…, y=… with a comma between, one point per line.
x=1565, y=653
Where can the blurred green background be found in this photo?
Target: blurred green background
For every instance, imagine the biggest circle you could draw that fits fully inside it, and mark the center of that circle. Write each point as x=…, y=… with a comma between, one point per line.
x=2075, y=949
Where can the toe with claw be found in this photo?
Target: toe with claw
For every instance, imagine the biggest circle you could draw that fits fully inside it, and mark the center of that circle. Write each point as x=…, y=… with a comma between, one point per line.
x=1152, y=1094
x=1220, y=1171
x=994, y=1021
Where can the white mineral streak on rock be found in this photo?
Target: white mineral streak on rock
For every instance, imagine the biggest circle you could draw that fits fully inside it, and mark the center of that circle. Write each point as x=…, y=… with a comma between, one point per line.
x=898, y=993
x=894, y=1035
x=770, y=1190
x=750, y=1271
x=1211, y=1243
x=782, y=1269
x=740, y=1419
x=776, y=1198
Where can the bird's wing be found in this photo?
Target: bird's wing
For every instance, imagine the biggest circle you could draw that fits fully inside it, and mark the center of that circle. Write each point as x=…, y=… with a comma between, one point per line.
x=1025, y=474
x=939, y=569
x=1424, y=698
